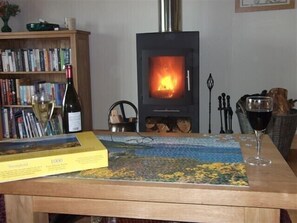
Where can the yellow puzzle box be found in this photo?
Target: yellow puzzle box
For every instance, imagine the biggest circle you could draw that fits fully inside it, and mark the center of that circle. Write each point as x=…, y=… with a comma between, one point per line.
x=37, y=157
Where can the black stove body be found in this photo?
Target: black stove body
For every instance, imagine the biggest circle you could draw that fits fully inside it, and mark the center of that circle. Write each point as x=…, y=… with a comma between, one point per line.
x=168, y=76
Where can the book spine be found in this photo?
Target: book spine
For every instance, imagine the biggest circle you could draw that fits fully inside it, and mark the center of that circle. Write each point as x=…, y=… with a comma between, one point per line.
x=40, y=129
x=14, y=61
x=12, y=83
x=20, y=124
x=25, y=124
x=10, y=65
x=41, y=57
x=60, y=123
x=17, y=89
x=1, y=104
x=5, y=123
x=55, y=58
x=1, y=62
x=5, y=63
x=62, y=59
x=8, y=92
x=30, y=62
x=12, y=124
x=32, y=122
x=21, y=61
x=4, y=88
x=37, y=60
x=67, y=56
x=16, y=114
x=26, y=60
x=3, y=92
x=46, y=60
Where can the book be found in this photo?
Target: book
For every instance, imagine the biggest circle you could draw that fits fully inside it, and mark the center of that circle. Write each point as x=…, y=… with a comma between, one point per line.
x=5, y=63
x=38, y=157
x=26, y=60
x=47, y=65
x=5, y=123
x=12, y=124
x=1, y=62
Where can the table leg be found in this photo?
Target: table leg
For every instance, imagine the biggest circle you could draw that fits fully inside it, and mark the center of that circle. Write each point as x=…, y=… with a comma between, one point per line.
x=19, y=209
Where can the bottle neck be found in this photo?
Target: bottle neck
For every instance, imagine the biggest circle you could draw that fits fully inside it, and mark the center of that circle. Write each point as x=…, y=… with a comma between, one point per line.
x=69, y=80
x=69, y=76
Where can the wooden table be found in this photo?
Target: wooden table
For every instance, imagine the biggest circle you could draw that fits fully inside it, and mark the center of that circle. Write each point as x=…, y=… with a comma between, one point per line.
x=271, y=189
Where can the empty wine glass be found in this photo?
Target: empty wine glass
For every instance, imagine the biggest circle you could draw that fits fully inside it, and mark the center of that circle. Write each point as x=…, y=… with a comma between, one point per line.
x=259, y=112
x=43, y=108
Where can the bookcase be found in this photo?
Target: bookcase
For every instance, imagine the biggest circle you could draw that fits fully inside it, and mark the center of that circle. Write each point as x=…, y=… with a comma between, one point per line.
x=76, y=41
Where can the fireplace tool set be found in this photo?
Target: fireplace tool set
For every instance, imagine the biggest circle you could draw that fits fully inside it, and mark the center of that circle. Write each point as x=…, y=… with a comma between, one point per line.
x=210, y=84
x=224, y=108
x=226, y=113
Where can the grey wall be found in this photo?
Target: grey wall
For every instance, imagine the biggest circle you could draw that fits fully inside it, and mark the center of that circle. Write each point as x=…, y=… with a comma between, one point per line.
x=245, y=52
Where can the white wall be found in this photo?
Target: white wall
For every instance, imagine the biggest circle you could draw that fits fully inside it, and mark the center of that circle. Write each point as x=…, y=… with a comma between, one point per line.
x=245, y=52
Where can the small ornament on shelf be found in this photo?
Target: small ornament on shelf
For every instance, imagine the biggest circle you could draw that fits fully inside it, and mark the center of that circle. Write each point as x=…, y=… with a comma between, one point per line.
x=6, y=11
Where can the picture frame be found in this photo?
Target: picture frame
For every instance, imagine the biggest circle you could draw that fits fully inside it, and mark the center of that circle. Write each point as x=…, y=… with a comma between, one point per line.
x=262, y=5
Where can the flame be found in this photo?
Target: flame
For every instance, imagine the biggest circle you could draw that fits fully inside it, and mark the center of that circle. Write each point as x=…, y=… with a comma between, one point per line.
x=167, y=84
x=167, y=76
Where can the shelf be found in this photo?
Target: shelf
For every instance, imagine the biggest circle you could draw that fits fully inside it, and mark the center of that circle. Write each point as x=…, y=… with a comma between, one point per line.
x=24, y=106
x=41, y=34
x=32, y=72
x=77, y=41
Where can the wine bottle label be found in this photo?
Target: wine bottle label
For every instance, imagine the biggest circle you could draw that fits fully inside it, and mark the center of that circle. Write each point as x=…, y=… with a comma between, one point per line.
x=74, y=121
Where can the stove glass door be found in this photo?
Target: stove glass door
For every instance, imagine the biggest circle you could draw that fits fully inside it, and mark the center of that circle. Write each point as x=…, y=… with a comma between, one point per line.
x=167, y=76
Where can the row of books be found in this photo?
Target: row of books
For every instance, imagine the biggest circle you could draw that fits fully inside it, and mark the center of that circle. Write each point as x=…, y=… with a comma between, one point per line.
x=22, y=123
x=53, y=59
x=17, y=91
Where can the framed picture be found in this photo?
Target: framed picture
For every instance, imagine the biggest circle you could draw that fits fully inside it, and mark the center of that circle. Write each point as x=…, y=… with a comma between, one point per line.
x=262, y=5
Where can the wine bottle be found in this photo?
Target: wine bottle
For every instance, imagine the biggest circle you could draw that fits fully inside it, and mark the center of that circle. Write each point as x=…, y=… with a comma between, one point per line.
x=71, y=109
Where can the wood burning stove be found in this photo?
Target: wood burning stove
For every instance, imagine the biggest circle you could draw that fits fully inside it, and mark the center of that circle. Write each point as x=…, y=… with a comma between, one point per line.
x=168, y=74
x=168, y=77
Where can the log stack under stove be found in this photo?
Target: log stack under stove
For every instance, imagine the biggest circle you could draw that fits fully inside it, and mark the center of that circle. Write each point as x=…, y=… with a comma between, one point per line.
x=161, y=124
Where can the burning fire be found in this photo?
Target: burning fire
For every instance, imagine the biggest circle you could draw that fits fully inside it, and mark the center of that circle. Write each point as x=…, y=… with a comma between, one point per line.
x=167, y=83
x=167, y=76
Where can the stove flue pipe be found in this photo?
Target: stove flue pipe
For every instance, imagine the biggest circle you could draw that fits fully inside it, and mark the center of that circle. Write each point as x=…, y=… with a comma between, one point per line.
x=170, y=14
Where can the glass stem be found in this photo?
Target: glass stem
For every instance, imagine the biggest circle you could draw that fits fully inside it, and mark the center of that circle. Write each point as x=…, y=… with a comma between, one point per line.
x=259, y=135
x=44, y=125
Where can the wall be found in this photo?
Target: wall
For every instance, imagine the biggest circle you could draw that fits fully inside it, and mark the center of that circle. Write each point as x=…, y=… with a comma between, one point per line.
x=245, y=52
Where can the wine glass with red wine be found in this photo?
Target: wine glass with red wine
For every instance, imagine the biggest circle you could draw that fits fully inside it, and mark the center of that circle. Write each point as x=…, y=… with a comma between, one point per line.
x=259, y=112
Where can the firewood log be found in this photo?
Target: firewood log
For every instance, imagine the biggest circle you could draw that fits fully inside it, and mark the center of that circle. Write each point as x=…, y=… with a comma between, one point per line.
x=280, y=100
x=150, y=123
x=162, y=127
x=184, y=125
x=115, y=117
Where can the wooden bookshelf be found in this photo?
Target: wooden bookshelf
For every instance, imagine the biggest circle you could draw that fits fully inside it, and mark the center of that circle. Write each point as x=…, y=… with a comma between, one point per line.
x=77, y=41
